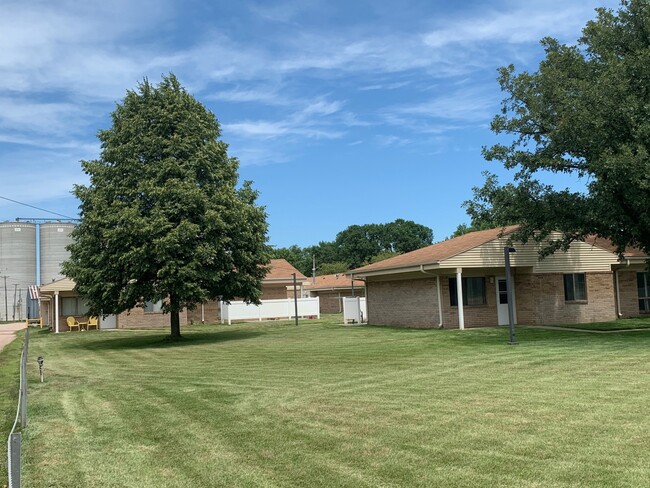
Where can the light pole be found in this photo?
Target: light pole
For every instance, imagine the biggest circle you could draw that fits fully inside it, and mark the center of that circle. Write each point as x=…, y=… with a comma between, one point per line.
x=511, y=314
x=295, y=295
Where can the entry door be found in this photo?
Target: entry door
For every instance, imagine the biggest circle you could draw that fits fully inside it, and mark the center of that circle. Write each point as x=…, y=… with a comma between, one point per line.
x=502, y=301
x=110, y=322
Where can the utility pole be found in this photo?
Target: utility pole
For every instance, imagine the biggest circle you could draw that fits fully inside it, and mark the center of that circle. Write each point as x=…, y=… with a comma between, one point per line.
x=13, y=313
x=20, y=304
x=6, y=304
x=313, y=269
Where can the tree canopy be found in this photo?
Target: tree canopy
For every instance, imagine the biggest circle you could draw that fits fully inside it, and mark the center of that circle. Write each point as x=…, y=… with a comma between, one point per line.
x=358, y=245
x=585, y=112
x=163, y=218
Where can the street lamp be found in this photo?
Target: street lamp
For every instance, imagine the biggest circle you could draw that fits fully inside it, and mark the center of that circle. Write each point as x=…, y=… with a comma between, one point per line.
x=295, y=295
x=511, y=314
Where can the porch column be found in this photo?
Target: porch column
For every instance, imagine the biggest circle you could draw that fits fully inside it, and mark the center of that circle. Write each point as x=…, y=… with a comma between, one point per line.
x=56, y=311
x=459, y=294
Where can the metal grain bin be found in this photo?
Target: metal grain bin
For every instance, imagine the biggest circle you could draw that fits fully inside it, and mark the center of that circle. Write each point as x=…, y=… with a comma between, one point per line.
x=54, y=237
x=17, y=268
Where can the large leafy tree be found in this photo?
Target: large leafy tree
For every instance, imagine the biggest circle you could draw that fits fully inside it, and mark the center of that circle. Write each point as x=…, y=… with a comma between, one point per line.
x=586, y=112
x=163, y=217
x=357, y=245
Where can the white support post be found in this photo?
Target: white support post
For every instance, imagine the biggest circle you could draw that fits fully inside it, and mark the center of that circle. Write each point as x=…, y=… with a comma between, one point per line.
x=318, y=305
x=459, y=294
x=202, y=313
x=56, y=311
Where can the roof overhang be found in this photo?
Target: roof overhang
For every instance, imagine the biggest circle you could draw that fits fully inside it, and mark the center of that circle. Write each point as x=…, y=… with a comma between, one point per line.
x=391, y=271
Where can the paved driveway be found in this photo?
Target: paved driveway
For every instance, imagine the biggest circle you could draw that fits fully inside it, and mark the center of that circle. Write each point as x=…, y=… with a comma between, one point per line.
x=8, y=332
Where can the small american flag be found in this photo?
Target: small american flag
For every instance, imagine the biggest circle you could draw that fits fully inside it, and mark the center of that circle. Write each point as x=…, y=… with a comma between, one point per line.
x=33, y=292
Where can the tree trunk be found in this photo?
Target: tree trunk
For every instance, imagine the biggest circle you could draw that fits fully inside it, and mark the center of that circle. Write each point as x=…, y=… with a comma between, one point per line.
x=175, y=318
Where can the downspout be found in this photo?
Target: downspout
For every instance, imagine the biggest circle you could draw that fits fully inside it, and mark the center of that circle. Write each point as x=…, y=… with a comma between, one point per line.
x=618, y=291
x=365, y=294
x=618, y=295
x=440, y=325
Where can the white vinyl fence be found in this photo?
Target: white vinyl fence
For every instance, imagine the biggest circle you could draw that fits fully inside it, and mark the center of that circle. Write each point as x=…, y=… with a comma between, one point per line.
x=354, y=310
x=284, y=308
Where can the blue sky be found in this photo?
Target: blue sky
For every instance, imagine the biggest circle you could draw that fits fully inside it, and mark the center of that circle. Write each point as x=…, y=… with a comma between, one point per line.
x=341, y=113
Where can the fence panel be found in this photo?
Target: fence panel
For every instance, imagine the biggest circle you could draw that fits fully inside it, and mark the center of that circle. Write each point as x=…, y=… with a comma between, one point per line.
x=15, y=438
x=354, y=310
x=269, y=309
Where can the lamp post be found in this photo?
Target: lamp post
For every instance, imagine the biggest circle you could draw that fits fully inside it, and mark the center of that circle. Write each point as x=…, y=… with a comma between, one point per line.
x=511, y=314
x=295, y=295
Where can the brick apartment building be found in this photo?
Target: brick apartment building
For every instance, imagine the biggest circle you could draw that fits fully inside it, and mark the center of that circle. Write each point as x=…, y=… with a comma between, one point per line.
x=461, y=283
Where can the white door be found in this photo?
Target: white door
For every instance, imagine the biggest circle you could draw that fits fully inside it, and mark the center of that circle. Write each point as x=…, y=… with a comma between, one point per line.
x=502, y=301
x=110, y=322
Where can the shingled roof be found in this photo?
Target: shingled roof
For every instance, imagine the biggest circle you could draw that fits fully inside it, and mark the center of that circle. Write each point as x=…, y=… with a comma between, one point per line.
x=440, y=251
x=282, y=270
x=607, y=245
x=332, y=281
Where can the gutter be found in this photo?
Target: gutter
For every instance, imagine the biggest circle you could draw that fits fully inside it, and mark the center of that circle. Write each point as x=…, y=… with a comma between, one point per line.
x=388, y=271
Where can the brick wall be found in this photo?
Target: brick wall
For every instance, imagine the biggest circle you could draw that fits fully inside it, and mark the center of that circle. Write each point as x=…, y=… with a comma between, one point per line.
x=404, y=303
x=629, y=294
x=136, y=318
x=275, y=292
x=330, y=301
x=540, y=299
x=211, y=312
x=474, y=315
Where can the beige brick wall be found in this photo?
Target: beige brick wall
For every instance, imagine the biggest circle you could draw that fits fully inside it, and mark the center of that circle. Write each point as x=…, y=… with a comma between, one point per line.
x=629, y=295
x=136, y=318
x=275, y=292
x=474, y=315
x=330, y=301
x=211, y=313
x=540, y=299
x=404, y=303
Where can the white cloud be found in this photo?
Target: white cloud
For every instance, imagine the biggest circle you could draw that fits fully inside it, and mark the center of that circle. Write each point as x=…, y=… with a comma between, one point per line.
x=526, y=24
x=467, y=104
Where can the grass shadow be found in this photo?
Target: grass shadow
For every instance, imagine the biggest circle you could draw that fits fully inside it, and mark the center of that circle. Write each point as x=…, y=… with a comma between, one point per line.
x=158, y=341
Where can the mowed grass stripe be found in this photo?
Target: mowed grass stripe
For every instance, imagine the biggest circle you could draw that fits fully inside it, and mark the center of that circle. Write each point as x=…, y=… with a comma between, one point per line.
x=326, y=405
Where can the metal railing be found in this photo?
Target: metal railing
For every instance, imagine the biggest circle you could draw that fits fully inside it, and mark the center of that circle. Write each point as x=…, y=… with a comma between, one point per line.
x=15, y=437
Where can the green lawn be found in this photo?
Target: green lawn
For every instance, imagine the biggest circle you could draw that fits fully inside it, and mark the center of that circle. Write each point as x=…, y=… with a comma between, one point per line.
x=326, y=405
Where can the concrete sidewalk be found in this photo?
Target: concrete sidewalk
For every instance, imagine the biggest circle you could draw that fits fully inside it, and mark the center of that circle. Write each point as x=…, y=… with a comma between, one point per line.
x=8, y=332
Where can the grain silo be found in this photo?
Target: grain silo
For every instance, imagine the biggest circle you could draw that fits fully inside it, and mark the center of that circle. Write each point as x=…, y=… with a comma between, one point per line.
x=17, y=268
x=54, y=237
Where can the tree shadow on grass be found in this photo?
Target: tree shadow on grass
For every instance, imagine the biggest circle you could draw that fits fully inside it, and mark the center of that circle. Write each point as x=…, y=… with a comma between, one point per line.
x=526, y=337
x=160, y=341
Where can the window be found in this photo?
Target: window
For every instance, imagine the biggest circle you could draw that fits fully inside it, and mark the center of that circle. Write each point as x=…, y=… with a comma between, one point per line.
x=73, y=306
x=643, y=286
x=575, y=287
x=473, y=291
x=153, y=307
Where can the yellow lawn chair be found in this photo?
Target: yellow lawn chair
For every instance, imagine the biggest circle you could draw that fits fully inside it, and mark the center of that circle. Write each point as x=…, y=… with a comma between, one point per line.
x=72, y=322
x=93, y=322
